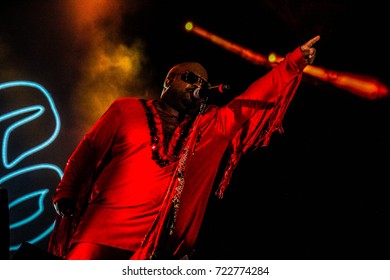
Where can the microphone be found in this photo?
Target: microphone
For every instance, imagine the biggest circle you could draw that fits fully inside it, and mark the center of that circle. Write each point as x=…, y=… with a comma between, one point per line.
x=200, y=93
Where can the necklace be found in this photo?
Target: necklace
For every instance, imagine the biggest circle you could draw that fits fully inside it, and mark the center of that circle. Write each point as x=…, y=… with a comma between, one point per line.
x=166, y=144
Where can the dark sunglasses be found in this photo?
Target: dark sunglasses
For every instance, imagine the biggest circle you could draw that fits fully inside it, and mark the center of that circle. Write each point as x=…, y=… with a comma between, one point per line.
x=192, y=78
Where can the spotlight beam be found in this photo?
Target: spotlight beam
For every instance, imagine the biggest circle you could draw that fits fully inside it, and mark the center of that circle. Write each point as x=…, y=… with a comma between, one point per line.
x=361, y=85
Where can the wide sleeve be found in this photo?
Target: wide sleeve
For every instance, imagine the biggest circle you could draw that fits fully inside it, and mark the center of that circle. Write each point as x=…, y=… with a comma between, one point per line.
x=90, y=152
x=259, y=111
x=269, y=89
x=79, y=174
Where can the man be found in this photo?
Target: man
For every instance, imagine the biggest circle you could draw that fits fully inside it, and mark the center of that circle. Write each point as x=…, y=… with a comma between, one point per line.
x=134, y=188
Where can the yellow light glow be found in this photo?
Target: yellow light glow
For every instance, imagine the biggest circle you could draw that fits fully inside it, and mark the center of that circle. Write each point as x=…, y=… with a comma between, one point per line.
x=189, y=26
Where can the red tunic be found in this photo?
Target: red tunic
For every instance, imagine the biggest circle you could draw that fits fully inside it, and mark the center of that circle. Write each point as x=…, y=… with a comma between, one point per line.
x=132, y=196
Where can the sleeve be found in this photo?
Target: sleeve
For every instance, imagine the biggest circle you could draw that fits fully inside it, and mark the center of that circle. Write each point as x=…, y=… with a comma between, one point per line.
x=259, y=111
x=84, y=161
x=266, y=91
x=78, y=176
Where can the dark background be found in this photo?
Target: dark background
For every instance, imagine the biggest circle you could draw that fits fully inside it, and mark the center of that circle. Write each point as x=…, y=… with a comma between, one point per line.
x=318, y=191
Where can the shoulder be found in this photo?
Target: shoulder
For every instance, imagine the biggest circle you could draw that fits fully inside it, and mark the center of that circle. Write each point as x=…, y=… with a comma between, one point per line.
x=125, y=102
x=129, y=107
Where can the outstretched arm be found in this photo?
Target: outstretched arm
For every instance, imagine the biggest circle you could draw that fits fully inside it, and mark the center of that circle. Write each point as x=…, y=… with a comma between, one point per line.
x=270, y=85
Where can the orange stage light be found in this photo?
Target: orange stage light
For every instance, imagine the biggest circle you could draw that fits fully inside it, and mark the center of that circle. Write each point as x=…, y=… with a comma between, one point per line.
x=361, y=85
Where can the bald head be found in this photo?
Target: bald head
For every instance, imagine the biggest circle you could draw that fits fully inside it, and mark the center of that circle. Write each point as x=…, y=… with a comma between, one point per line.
x=194, y=67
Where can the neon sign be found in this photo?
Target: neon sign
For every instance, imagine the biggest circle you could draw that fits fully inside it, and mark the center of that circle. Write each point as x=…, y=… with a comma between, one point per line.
x=29, y=123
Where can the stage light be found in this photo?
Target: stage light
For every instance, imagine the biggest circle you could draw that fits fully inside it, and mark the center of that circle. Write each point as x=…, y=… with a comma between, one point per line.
x=361, y=85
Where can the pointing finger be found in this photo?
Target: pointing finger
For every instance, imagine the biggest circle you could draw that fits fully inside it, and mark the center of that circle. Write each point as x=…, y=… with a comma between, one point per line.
x=311, y=42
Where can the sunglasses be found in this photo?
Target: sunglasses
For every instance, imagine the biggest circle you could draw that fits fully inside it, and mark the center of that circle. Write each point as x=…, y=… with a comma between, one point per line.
x=192, y=78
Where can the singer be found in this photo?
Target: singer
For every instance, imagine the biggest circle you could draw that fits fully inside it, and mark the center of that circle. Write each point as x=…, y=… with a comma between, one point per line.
x=136, y=188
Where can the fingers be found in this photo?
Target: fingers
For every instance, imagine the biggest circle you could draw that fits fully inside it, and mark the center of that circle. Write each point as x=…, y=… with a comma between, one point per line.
x=310, y=59
x=308, y=51
x=314, y=40
x=310, y=43
x=312, y=53
x=64, y=208
x=65, y=213
x=59, y=212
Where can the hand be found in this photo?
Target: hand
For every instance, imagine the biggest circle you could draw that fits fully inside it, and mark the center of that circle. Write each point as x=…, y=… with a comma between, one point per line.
x=308, y=51
x=65, y=207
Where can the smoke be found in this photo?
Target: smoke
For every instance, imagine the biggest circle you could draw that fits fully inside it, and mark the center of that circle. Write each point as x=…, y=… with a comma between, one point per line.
x=84, y=52
x=7, y=72
x=107, y=67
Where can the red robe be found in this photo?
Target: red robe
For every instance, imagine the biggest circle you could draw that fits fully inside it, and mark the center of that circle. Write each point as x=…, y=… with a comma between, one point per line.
x=127, y=200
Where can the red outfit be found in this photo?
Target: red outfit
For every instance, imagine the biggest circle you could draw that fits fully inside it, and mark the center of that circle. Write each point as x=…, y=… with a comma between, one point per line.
x=150, y=199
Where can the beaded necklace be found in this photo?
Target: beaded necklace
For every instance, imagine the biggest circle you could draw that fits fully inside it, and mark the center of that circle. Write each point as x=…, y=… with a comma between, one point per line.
x=165, y=154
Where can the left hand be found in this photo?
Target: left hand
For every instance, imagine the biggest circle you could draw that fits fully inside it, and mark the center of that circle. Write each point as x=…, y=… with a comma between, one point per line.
x=308, y=51
x=65, y=207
